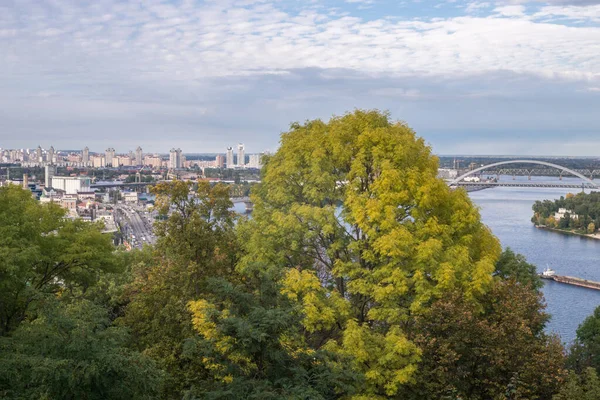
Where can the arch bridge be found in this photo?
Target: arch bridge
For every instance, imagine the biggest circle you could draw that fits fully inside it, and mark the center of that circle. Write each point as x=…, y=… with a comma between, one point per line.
x=458, y=181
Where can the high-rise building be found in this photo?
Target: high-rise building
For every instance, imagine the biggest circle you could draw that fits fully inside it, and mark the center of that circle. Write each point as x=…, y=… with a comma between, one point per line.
x=229, y=158
x=50, y=155
x=85, y=156
x=241, y=160
x=109, y=155
x=175, y=159
x=98, y=161
x=50, y=171
x=123, y=161
x=38, y=154
x=153, y=161
x=255, y=161
x=139, y=159
x=219, y=161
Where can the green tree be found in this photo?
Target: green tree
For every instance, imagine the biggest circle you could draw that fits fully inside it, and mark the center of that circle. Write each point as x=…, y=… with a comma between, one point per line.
x=70, y=351
x=511, y=265
x=220, y=332
x=251, y=341
x=195, y=243
x=585, y=207
x=581, y=387
x=352, y=216
x=585, y=351
x=497, y=352
x=591, y=228
x=42, y=252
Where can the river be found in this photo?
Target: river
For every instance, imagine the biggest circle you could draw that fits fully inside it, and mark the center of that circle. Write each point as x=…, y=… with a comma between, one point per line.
x=507, y=211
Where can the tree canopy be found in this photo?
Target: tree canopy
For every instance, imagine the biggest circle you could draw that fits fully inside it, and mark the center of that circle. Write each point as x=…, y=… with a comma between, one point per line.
x=71, y=351
x=360, y=275
x=515, y=266
x=500, y=353
x=583, y=212
x=585, y=351
x=43, y=252
x=57, y=339
x=364, y=234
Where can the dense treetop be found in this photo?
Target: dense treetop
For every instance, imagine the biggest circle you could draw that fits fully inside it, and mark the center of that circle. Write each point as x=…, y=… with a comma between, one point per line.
x=57, y=339
x=352, y=214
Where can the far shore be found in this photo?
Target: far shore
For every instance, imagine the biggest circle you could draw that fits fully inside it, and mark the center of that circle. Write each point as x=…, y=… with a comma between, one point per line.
x=595, y=236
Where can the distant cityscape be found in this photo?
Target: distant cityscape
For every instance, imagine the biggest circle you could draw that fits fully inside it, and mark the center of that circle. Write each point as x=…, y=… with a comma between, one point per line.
x=113, y=187
x=85, y=158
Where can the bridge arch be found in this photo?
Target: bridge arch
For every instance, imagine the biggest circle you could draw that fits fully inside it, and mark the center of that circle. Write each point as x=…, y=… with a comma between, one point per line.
x=547, y=164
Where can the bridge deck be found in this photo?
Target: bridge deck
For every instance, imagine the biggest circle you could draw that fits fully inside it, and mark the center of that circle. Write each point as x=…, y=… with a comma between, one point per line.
x=526, y=184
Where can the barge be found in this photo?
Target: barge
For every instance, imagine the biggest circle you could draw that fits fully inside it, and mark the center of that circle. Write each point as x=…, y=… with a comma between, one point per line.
x=570, y=280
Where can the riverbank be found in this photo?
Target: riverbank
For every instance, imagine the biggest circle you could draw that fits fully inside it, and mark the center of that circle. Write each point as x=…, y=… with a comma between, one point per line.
x=595, y=236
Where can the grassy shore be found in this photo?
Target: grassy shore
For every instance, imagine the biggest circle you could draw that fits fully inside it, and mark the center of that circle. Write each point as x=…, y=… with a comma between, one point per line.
x=595, y=236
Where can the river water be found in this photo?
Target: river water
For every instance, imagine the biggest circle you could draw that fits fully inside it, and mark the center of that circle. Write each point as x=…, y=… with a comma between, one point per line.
x=507, y=211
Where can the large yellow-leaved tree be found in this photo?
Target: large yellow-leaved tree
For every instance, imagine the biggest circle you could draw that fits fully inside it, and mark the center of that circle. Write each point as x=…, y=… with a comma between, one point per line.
x=351, y=215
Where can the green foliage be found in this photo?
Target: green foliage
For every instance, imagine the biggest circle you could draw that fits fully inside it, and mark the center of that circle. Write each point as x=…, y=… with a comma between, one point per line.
x=355, y=204
x=55, y=341
x=70, y=351
x=359, y=276
x=515, y=266
x=217, y=331
x=469, y=354
x=251, y=343
x=195, y=243
x=144, y=177
x=43, y=252
x=586, y=206
x=585, y=351
x=241, y=189
x=580, y=387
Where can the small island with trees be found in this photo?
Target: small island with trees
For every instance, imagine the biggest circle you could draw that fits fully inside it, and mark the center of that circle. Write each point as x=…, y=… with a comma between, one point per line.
x=574, y=213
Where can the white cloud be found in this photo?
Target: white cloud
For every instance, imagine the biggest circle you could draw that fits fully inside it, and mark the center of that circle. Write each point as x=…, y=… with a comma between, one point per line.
x=573, y=13
x=476, y=6
x=148, y=40
x=511, y=11
x=230, y=67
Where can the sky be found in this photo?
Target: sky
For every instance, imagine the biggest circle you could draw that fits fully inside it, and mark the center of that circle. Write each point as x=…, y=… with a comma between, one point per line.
x=471, y=77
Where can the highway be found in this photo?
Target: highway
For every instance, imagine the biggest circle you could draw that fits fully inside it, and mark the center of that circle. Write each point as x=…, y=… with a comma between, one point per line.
x=136, y=225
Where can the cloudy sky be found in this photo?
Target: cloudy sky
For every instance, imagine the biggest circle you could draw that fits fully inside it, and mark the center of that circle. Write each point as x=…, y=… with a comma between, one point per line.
x=472, y=77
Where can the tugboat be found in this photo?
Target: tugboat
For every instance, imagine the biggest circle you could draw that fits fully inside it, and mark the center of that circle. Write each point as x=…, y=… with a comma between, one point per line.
x=548, y=273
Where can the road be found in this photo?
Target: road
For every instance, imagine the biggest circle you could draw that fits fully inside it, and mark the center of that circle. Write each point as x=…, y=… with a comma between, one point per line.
x=136, y=225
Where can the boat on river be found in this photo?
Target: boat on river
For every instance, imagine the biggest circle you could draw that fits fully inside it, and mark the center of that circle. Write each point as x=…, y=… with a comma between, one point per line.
x=569, y=280
x=548, y=273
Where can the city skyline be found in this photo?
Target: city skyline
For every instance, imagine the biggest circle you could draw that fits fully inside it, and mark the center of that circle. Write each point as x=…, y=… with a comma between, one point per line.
x=503, y=77
x=111, y=158
x=165, y=153
x=54, y=150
